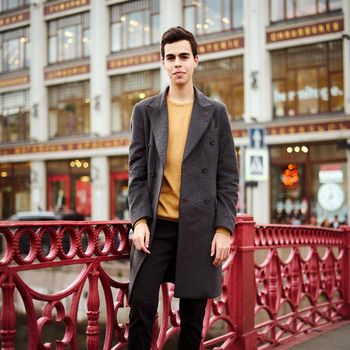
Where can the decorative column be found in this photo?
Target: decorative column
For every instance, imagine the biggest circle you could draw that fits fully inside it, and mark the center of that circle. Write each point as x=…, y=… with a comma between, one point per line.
x=99, y=82
x=347, y=196
x=170, y=16
x=346, y=273
x=257, y=75
x=257, y=91
x=346, y=55
x=38, y=185
x=243, y=285
x=8, y=312
x=38, y=60
x=100, y=188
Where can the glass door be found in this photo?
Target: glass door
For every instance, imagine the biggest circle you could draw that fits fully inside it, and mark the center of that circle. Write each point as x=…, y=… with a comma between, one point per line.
x=119, y=196
x=289, y=198
x=58, y=192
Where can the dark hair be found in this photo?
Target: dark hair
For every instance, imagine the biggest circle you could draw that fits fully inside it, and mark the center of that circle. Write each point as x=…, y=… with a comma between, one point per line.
x=174, y=34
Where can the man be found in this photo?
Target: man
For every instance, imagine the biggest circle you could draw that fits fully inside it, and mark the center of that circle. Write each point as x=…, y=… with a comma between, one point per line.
x=183, y=184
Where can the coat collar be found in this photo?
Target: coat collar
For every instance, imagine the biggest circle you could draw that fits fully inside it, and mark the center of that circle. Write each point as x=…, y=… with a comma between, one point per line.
x=203, y=109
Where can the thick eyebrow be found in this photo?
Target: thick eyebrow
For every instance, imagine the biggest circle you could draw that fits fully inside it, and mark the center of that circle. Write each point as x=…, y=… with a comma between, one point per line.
x=182, y=54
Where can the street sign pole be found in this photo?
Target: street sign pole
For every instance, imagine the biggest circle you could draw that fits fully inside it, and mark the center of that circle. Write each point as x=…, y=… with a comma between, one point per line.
x=256, y=164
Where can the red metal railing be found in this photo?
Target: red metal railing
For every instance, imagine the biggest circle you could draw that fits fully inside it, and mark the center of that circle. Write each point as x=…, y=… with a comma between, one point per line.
x=279, y=282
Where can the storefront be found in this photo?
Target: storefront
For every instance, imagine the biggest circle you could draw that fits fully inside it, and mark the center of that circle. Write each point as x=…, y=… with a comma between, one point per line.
x=308, y=180
x=14, y=188
x=69, y=186
x=119, y=188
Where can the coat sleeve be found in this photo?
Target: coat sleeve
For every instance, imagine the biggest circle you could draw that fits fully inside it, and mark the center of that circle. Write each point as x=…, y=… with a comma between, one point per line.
x=139, y=200
x=227, y=175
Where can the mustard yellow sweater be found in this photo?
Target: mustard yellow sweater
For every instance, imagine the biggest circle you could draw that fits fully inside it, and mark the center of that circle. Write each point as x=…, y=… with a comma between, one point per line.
x=179, y=116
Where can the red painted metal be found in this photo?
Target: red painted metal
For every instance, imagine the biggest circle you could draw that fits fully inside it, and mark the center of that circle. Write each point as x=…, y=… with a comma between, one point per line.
x=267, y=299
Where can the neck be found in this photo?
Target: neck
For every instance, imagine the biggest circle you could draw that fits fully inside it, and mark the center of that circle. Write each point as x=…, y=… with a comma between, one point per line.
x=183, y=93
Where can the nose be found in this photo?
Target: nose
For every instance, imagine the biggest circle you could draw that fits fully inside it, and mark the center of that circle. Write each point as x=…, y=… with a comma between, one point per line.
x=177, y=62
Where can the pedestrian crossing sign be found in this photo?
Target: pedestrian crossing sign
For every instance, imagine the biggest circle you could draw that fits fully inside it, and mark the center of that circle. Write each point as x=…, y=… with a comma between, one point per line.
x=256, y=164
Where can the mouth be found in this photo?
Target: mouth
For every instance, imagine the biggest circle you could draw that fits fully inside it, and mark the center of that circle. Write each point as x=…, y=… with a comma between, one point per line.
x=179, y=73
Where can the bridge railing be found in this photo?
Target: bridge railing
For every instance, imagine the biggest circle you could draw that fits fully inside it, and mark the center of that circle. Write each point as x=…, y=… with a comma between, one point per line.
x=278, y=282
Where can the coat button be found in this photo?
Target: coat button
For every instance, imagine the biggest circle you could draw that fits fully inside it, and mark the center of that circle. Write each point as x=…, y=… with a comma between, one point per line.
x=212, y=142
x=152, y=173
x=204, y=170
x=206, y=201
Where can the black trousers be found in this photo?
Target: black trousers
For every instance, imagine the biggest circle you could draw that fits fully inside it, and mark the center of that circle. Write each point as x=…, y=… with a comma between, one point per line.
x=145, y=296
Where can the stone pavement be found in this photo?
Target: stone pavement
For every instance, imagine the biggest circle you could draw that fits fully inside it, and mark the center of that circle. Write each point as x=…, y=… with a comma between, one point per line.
x=334, y=339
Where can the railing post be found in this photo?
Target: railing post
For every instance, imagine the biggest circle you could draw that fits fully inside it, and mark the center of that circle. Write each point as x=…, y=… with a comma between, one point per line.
x=93, y=312
x=244, y=293
x=346, y=273
x=8, y=314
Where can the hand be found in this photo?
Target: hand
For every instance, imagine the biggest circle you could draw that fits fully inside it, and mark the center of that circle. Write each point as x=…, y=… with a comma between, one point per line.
x=141, y=237
x=220, y=247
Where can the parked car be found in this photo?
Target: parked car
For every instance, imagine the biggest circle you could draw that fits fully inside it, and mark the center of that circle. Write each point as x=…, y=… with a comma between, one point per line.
x=46, y=216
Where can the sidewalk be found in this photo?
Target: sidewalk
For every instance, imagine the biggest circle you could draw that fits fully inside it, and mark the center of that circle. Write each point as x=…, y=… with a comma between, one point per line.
x=335, y=339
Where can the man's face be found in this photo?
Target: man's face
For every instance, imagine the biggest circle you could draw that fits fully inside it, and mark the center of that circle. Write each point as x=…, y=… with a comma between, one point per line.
x=179, y=62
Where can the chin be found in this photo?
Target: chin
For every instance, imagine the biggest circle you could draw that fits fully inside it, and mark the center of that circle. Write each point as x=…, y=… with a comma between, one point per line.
x=180, y=82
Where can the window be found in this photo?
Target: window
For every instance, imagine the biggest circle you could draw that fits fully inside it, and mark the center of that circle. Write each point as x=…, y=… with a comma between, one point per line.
x=127, y=90
x=14, y=188
x=69, y=109
x=301, y=175
x=7, y=5
x=134, y=24
x=281, y=10
x=69, y=38
x=14, y=50
x=210, y=16
x=14, y=116
x=308, y=80
x=222, y=80
x=69, y=186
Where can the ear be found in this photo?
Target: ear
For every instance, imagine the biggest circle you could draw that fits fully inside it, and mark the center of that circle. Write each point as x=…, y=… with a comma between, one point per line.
x=196, y=60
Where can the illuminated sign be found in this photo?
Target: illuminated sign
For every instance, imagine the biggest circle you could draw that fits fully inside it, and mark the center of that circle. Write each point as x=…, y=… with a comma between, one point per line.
x=47, y=147
x=223, y=45
x=67, y=72
x=24, y=79
x=64, y=6
x=299, y=129
x=12, y=19
x=305, y=31
x=155, y=56
x=290, y=176
x=133, y=60
x=330, y=173
x=307, y=93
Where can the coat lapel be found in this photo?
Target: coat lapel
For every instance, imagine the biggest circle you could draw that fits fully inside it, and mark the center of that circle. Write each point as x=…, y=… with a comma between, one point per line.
x=202, y=112
x=158, y=113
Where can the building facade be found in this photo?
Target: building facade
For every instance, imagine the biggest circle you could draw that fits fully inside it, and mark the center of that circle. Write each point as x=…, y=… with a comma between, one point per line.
x=72, y=70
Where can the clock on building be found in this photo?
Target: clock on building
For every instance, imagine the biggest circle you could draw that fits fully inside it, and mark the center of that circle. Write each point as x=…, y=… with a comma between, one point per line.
x=330, y=196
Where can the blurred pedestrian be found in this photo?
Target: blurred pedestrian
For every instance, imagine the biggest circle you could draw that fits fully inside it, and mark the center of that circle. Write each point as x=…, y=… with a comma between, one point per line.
x=313, y=220
x=183, y=188
x=325, y=223
x=336, y=223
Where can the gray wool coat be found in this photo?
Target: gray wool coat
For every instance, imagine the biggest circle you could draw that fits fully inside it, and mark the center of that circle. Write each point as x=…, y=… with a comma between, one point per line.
x=209, y=186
